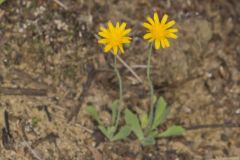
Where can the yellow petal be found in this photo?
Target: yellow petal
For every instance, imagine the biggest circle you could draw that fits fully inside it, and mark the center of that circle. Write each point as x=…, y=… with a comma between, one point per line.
x=107, y=48
x=121, y=48
x=164, y=19
x=170, y=24
x=157, y=44
x=103, y=41
x=126, y=40
x=110, y=26
x=163, y=43
x=126, y=32
x=173, y=30
x=103, y=29
x=115, y=50
x=166, y=43
x=147, y=36
x=147, y=25
x=156, y=19
x=151, y=40
x=123, y=25
x=172, y=35
x=117, y=25
x=150, y=20
x=103, y=34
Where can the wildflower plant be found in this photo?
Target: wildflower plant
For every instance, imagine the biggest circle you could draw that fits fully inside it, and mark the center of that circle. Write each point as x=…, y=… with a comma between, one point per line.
x=113, y=38
x=145, y=126
x=158, y=32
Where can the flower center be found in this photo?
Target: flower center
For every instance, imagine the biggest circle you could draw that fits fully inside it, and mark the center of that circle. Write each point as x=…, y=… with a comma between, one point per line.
x=116, y=38
x=158, y=31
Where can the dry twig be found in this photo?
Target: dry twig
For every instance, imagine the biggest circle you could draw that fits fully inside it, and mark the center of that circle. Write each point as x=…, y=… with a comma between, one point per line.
x=23, y=91
x=223, y=125
x=86, y=86
x=130, y=69
x=61, y=4
x=33, y=152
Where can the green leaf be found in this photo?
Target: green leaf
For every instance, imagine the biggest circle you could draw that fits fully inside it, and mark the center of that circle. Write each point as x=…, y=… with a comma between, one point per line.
x=93, y=112
x=111, y=130
x=153, y=133
x=1, y=1
x=172, y=131
x=148, y=141
x=123, y=133
x=126, y=45
x=35, y=121
x=144, y=120
x=132, y=120
x=114, y=108
x=154, y=100
x=104, y=131
x=160, y=112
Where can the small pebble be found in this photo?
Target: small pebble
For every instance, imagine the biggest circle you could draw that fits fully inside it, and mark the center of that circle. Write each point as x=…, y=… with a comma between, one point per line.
x=238, y=111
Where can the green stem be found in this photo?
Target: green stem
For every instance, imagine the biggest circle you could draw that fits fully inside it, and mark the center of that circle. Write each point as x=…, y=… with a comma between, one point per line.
x=150, y=87
x=120, y=91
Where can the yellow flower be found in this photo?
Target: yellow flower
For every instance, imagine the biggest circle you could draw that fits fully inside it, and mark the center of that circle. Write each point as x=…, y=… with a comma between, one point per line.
x=114, y=37
x=160, y=31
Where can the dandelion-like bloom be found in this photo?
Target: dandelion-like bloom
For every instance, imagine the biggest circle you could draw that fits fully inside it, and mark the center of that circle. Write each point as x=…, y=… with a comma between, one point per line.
x=160, y=31
x=114, y=37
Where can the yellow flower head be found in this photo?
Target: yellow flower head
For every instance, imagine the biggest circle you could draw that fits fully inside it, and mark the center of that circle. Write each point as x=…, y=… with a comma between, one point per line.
x=114, y=37
x=160, y=31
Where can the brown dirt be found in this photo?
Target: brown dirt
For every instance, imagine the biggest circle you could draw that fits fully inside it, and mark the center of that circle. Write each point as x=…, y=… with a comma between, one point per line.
x=45, y=47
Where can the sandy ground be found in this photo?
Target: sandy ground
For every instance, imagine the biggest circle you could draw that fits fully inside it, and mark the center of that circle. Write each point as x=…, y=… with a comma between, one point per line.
x=51, y=65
